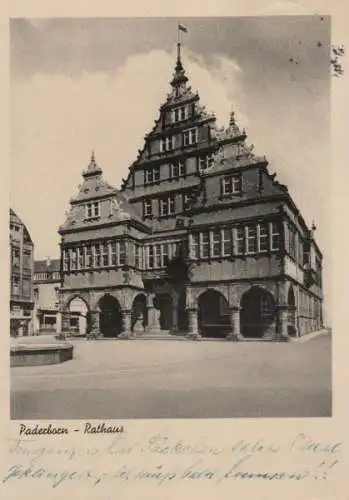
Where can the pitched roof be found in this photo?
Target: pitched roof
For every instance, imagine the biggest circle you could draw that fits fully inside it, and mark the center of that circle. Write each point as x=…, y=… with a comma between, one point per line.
x=47, y=265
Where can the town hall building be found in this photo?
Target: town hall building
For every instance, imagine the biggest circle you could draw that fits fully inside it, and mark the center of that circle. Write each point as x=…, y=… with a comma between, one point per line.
x=199, y=241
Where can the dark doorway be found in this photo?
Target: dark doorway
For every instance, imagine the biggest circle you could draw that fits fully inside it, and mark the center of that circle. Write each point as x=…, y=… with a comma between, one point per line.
x=163, y=302
x=110, y=316
x=213, y=314
x=257, y=312
x=139, y=313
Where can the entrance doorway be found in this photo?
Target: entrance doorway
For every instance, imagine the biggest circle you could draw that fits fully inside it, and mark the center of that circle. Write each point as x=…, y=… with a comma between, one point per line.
x=163, y=303
x=213, y=314
x=257, y=312
x=110, y=321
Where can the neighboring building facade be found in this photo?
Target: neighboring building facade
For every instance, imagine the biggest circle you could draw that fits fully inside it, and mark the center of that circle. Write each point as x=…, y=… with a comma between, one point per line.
x=200, y=238
x=47, y=286
x=21, y=278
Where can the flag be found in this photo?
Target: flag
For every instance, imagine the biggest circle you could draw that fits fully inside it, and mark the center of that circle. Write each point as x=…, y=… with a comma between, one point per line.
x=181, y=27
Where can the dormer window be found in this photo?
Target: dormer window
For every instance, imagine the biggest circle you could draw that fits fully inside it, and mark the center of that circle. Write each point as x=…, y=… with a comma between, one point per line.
x=177, y=169
x=92, y=209
x=166, y=144
x=231, y=184
x=179, y=114
x=190, y=136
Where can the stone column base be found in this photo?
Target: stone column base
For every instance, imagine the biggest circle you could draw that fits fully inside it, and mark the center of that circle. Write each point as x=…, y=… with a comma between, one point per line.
x=194, y=336
x=234, y=337
x=125, y=335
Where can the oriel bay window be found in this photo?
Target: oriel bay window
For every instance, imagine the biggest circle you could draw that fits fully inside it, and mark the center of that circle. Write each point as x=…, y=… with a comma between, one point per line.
x=167, y=205
x=97, y=255
x=204, y=245
x=113, y=253
x=122, y=253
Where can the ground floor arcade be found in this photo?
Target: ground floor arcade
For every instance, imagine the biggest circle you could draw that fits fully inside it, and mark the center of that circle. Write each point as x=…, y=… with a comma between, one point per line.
x=237, y=311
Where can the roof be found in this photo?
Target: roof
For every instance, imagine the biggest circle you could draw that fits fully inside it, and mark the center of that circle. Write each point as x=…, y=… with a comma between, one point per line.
x=15, y=219
x=47, y=265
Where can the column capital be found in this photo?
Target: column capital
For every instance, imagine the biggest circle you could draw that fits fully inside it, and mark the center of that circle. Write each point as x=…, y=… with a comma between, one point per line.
x=234, y=308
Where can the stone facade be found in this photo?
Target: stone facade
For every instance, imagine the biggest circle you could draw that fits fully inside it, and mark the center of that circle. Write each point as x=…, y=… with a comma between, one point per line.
x=21, y=278
x=200, y=238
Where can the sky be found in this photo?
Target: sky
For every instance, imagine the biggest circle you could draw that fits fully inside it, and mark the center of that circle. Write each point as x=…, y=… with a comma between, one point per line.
x=79, y=85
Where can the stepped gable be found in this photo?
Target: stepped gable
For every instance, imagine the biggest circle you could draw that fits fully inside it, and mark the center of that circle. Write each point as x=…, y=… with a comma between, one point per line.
x=114, y=206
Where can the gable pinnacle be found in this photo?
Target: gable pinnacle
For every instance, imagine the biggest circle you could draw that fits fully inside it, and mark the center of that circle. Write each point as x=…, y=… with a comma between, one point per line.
x=92, y=168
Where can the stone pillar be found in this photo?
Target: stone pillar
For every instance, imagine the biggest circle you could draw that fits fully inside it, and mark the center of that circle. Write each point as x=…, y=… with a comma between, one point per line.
x=193, y=324
x=175, y=298
x=283, y=323
x=126, y=324
x=234, y=333
x=59, y=322
x=153, y=315
x=138, y=326
x=94, y=331
x=65, y=322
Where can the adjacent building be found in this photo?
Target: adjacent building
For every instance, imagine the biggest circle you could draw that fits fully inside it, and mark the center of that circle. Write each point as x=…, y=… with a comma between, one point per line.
x=200, y=238
x=21, y=278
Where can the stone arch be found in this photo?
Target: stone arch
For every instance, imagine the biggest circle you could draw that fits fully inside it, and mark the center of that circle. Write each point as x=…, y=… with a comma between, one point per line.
x=215, y=288
x=139, y=314
x=257, y=313
x=110, y=316
x=213, y=313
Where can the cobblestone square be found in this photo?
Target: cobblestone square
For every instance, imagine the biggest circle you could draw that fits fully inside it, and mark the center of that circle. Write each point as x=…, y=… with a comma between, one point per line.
x=115, y=379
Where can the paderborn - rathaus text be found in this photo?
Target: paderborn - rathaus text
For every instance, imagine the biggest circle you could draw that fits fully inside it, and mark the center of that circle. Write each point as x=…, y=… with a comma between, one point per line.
x=199, y=241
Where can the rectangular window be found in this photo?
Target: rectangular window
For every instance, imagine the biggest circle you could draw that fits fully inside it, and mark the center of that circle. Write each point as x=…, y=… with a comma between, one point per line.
x=122, y=253
x=150, y=256
x=157, y=256
x=66, y=260
x=167, y=144
x=15, y=285
x=92, y=210
x=151, y=175
x=190, y=137
x=174, y=250
x=251, y=239
x=89, y=257
x=177, y=169
x=96, y=209
x=147, y=208
x=98, y=259
x=15, y=257
x=262, y=237
x=139, y=259
x=113, y=253
x=240, y=240
x=226, y=242
x=81, y=257
x=215, y=243
x=204, y=245
x=164, y=255
x=105, y=254
x=231, y=184
x=166, y=205
x=194, y=246
x=274, y=236
x=205, y=162
x=179, y=114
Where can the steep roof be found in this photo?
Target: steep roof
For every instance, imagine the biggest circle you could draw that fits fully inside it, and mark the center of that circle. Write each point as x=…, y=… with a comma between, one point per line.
x=47, y=265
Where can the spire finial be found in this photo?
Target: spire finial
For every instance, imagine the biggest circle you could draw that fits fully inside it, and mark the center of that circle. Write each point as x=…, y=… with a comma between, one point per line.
x=179, y=62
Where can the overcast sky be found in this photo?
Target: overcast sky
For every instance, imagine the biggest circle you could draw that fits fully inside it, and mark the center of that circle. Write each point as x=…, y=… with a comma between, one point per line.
x=83, y=84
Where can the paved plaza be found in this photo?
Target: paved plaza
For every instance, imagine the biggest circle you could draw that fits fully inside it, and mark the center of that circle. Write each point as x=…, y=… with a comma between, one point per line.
x=113, y=379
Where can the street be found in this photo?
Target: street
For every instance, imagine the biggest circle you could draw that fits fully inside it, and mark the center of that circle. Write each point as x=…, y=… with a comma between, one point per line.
x=178, y=379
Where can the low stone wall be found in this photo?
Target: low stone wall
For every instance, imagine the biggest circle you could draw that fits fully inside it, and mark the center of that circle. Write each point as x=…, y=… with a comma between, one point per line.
x=36, y=355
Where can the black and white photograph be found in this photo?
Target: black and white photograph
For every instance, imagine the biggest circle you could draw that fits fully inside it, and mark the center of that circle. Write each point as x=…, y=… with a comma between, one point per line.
x=170, y=217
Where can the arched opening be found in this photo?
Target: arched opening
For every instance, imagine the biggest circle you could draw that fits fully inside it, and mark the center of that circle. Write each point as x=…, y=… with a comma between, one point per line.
x=163, y=305
x=78, y=316
x=110, y=321
x=291, y=302
x=213, y=314
x=257, y=312
x=139, y=319
x=182, y=313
